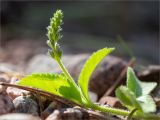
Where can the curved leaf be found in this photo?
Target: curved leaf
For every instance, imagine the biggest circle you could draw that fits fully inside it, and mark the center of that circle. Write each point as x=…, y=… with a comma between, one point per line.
x=89, y=67
x=127, y=98
x=138, y=87
x=53, y=83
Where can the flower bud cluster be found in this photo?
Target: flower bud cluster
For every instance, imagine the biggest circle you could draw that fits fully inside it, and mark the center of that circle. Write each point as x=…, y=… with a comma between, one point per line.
x=54, y=34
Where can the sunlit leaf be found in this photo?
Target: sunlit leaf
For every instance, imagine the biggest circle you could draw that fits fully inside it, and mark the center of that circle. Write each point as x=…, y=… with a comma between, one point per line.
x=53, y=83
x=89, y=67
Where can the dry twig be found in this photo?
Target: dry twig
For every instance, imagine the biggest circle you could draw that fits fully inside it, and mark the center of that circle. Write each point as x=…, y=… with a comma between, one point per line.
x=43, y=93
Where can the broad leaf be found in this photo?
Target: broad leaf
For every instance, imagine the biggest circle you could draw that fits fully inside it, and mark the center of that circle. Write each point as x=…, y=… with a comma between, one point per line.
x=139, y=88
x=53, y=83
x=147, y=104
x=127, y=98
x=89, y=67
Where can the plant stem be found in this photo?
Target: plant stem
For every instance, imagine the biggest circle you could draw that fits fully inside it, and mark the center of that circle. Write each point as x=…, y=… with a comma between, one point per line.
x=116, y=111
x=131, y=114
x=71, y=80
x=66, y=73
x=111, y=110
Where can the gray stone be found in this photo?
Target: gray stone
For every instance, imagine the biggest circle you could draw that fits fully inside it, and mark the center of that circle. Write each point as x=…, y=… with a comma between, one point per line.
x=41, y=63
x=44, y=63
x=25, y=104
x=8, y=68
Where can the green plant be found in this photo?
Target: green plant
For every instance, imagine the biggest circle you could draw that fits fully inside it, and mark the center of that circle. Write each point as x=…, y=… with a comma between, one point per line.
x=136, y=95
x=64, y=85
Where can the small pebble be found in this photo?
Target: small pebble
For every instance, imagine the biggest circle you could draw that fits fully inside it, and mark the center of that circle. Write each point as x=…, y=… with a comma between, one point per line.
x=18, y=116
x=6, y=104
x=111, y=101
x=53, y=105
x=15, y=92
x=69, y=114
x=54, y=116
x=25, y=104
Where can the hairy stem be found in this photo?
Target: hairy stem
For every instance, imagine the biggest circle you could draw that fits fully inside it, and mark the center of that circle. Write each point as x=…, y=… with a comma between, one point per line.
x=63, y=68
x=125, y=113
x=111, y=110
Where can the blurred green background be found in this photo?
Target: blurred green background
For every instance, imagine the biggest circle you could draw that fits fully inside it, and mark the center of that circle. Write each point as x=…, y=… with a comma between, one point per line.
x=88, y=25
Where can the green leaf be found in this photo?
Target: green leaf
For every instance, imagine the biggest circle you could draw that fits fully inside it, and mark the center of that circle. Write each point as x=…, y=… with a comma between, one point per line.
x=136, y=86
x=127, y=98
x=53, y=83
x=144, y=104
x=147, y=103
x=89, y=67
x=135, y=95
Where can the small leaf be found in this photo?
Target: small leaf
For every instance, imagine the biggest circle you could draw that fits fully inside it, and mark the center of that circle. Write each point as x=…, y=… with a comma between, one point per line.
x=147, y=87
x=53, y=83
x=89, y=67
x=139, y=88
x=127, y=98
x=147, y=104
